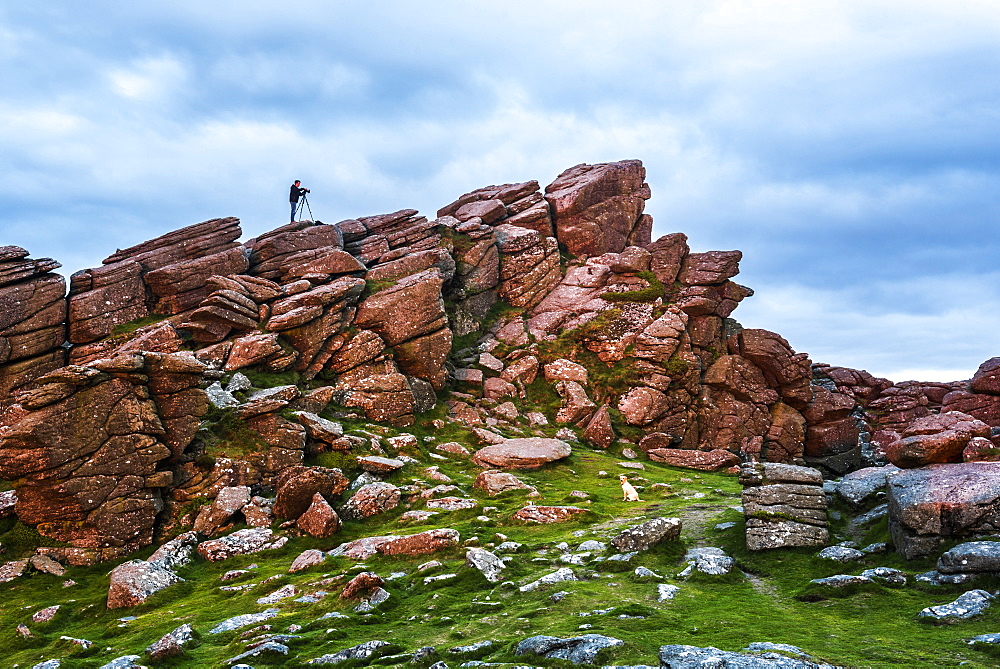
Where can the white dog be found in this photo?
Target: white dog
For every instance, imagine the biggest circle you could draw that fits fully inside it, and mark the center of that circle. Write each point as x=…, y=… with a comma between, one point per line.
x=629, y=494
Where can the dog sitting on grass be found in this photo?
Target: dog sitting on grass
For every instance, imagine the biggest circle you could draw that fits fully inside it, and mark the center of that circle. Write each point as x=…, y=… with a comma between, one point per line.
x=629, y=493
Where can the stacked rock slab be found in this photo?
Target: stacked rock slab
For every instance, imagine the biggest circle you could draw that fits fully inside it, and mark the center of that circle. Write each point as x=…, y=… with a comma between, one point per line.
x=784, y=506
x=32, y=318
x=165, y=275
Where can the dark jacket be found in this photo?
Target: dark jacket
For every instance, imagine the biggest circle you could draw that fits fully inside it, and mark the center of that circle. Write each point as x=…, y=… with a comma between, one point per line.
x=293, y=195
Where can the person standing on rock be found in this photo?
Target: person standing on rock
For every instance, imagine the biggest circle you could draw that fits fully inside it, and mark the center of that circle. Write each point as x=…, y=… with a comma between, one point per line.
x=294, y=195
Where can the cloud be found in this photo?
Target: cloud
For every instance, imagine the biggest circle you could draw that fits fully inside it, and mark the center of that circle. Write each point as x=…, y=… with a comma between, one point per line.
x=847, y=147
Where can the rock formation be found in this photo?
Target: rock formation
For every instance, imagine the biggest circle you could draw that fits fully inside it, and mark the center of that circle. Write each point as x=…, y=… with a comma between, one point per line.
x=361, y=319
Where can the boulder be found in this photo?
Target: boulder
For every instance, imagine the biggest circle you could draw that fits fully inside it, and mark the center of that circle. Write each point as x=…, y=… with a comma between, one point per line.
x=319, y=520
x=968, y=605
x=935, y=439
x=943, y=501
x=297, y=486
x=369, y=500
x=648, y=534
x=987, y=378
x=578, y=650
x=486, y=562
x=704, y=460
x=171, y=644
x=524, y=454
x=596, y=208
x=972, y=557
x=240, y=542
x=133, y=582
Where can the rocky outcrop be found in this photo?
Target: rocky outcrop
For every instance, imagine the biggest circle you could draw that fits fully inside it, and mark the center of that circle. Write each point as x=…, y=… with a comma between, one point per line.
x=32, y=318
x=91, y=446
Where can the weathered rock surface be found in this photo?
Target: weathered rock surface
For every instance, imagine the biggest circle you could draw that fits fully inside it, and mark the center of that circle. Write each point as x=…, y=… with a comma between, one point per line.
x=784, y=505
x=648, y=534
x=932, y=503
x=527, y=453
x=578, y=650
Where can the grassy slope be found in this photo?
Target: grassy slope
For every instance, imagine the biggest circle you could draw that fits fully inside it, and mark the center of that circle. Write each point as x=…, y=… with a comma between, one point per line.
x=876, y=626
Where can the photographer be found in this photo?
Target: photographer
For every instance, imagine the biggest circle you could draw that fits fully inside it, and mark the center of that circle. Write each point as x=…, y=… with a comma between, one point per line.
x=294, y=195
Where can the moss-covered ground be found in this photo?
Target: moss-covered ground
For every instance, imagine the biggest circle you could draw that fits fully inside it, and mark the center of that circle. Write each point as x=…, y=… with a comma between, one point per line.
x=767, y=599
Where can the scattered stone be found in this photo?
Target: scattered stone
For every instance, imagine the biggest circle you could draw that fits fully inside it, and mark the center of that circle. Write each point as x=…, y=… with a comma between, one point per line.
x=171, y=644
x=319, y=520
x=486, y=562
x=971, y=557
x=306, y=559
x=237, y=622
x=968, y=605
x=708, y=560
x=548, y=514
x=240, y=542
x=679, y=656
x=45, y=615
x=842, y=581
x=840, y=554
x=887, y=575
x=563, y=574
x=665, y=591
x=283, y=592
x=360, y=652
x=578, y=650
x=647, y=535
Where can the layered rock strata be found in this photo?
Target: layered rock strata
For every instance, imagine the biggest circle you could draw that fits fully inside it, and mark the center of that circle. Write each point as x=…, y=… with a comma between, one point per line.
x=784, y=506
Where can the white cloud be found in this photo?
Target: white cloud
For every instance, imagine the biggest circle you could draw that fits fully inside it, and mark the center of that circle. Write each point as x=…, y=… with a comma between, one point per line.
x=148, y=79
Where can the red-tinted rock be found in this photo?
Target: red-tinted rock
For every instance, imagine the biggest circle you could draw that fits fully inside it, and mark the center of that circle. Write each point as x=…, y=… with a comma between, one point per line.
x=642, y=406
x=935, y=439
x=713, y=267
x=784, y=370
x=595, y=208
x=306, y=559
x=360, y=586
x=548, y=514
x=980, y=449
x=599, y=431
x=421, y=544
x=987, y=378
x=528, y=453
x=493, y=482
x=240, y=542
x=978, y=405
x=297, y=487
x=371, y=499
x=319, y=520
x=703, y=460
x=577, y=407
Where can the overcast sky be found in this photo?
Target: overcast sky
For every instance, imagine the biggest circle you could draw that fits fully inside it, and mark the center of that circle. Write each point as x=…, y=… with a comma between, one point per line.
x=849, y=149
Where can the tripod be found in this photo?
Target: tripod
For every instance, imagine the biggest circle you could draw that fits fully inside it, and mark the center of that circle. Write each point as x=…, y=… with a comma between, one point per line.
x=303, y=206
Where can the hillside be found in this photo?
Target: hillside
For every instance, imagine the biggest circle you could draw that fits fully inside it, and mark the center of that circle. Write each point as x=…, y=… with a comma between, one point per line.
x=388, y=429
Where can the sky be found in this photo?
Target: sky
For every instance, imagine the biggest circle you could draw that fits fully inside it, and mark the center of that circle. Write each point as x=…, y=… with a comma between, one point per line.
x=850, y=149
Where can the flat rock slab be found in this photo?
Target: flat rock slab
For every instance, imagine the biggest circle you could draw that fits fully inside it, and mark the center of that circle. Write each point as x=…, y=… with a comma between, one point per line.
x=578, y=650
x=702, y=460
x=525, y=454
x=678, y=656
x=548, y=514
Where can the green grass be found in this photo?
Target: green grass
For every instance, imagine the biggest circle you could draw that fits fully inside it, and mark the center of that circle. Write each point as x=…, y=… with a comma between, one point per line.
x=873, y=626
